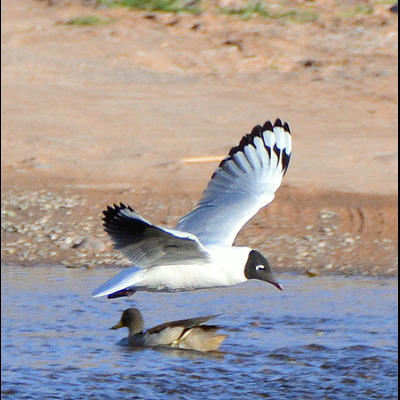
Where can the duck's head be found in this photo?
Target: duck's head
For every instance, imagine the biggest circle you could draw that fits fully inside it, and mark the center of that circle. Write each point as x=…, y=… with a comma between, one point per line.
x=131, y=319
x=257, y=267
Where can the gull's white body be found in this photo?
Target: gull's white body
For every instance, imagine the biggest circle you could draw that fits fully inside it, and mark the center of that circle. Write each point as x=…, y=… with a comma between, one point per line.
x=198, y=253
x=225, y=270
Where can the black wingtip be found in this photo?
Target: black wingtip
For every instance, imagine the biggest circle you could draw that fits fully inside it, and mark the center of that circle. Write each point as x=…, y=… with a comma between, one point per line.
x=122, y=206
x=248, y=139
x=286, y=127
x=114, y=209
x=257, y=131
x=109, y=212
x=233, y=150
x=113, y=214
x=268, y=126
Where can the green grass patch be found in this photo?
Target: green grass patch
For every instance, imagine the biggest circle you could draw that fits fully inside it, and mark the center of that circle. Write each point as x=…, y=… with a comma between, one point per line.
x=363, y=9
x=89, y=20
x=384, y=2
x=297, y=16
x=259, y=9
x=171, y=6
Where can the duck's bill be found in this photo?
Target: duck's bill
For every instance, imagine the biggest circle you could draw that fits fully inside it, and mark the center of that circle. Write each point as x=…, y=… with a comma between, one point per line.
x=119, y=325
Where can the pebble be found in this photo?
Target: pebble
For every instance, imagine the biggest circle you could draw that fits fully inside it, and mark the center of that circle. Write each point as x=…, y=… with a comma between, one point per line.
x=349, y=240
x=327, y=214
x=312, y=272
x=8, y=213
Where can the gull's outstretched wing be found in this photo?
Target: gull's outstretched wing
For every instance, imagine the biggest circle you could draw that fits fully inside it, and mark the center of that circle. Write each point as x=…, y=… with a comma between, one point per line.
x=147, y=245
x=245, y=181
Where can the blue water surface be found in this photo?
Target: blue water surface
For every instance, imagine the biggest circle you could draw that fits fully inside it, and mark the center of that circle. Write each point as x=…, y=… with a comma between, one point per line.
x=321, y=338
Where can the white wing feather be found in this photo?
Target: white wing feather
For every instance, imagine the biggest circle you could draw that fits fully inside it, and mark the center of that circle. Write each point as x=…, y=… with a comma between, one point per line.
x=244, y=182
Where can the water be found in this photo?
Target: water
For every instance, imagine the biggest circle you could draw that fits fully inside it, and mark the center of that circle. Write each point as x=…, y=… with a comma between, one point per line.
x=321, y=338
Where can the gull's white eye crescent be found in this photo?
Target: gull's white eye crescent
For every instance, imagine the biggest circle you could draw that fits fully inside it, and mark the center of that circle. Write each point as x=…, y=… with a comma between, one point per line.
x=260, y=267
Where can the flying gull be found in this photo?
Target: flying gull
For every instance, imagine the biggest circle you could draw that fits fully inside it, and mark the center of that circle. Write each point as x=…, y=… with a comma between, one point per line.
x=198, y=252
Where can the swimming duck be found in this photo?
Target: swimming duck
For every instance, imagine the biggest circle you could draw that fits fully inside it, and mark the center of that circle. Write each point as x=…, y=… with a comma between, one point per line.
x=188, y=334
x=198, y=253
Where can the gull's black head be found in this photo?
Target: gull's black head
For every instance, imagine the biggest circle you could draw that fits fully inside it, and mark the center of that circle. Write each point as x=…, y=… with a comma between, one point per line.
x=257, y=267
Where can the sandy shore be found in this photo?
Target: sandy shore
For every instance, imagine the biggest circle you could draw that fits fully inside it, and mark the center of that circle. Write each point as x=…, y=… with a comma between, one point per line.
x=98, y=115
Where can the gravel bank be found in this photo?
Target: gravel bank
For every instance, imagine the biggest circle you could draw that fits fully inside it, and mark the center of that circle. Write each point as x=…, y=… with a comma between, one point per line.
x=328, y=236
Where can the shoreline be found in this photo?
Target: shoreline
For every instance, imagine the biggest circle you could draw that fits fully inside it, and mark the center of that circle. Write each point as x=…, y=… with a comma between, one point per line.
x=306, y=231
x=284, y=273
